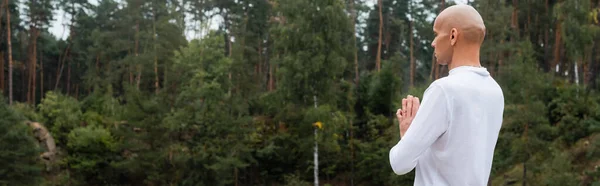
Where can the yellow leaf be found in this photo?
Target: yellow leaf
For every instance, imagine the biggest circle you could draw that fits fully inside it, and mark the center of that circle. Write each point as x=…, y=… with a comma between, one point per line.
x=596, y=16
x=593, y=15
x=318, y=124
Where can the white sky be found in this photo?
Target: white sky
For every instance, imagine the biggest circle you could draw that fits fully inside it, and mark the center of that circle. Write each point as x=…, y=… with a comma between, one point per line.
x=58, y=28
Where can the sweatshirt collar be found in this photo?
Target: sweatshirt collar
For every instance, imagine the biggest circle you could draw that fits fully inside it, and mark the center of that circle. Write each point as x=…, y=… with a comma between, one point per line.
x=482, y=71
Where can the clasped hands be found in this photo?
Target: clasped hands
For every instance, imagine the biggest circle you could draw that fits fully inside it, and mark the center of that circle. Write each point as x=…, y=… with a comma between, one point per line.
x=407, y=113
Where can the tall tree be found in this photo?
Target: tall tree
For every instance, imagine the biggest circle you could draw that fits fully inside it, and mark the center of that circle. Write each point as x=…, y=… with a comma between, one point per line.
x=2, y=86
x=412, y=56
x=378, y=58
x=39, y=13
x=557, y=40
x=353, y=13
x=2, y=89
x=10, y=60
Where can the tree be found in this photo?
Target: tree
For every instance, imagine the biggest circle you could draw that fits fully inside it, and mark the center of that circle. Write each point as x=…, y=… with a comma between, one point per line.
x=74, y=52
x=92, y=150
x=353, y=15
x=39, y=14
x=19, y=152
x=10, y=61
x=378, y=58
x=300, y=79
x=412, y=57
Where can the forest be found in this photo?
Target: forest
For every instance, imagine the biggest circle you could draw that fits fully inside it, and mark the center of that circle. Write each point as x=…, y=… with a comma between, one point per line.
x=247, y=92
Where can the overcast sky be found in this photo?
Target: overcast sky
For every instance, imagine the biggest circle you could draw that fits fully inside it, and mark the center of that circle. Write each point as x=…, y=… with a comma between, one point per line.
x=58, y=28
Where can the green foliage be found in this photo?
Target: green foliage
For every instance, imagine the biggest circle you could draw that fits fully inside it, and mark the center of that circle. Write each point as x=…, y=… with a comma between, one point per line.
x=294, y=180
x=27, y=111
x=92, y=151
x=382, y=91
x=575, y=113
x=561, y=170
x=18, y=150
x=61, y=115
x=594, y=176
x=314, y=48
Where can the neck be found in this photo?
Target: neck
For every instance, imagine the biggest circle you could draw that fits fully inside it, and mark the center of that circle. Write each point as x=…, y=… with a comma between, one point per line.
x=465, y=56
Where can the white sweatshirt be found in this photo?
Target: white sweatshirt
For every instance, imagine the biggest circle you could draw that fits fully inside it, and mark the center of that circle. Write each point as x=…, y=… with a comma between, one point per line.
x=452, y=138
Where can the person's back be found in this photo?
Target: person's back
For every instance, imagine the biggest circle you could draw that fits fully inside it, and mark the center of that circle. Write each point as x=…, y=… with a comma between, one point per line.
x=466, y=149
x=451, y=136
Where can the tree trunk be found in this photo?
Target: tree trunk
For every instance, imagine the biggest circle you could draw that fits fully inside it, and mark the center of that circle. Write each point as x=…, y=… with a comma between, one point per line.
x=500, y=57
x=76, y=91
x=515, y=17
x=131, y=74
x=527, y=32
x=62, y=61
x=378, y=59
x=29, y=65
x=68, y=78
x=98, y=64
x=546, y=41
x=228, y=40
x=24, y=80
x=412, y=57
x=156, y=85
x=576, y=71
x=2, y=73
x=4, y=4
x=138, y=66
x=270, y=84
x=557, y=44
x=386, y=39
x=235, y=175
x=593, y=67
x=259, y=64
x=353, y=13
x=589, y=67
x=351, y=154
x=356, y=82
x=41, y=76
x=165, y=70
x=526, y=156
x=32, y=65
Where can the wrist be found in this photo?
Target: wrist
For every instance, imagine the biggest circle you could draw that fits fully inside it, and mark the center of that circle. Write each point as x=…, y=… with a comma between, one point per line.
x=402, y=132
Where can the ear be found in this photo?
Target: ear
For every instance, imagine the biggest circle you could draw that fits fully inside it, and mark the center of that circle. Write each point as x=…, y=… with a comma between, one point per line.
x=453, y=36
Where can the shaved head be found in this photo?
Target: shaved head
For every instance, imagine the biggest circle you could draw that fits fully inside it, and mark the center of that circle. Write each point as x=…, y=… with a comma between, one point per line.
x=465, y=19
x=458, y=29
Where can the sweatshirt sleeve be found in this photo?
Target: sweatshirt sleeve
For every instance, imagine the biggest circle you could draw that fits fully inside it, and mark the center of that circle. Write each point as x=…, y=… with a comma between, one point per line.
x=429, y=124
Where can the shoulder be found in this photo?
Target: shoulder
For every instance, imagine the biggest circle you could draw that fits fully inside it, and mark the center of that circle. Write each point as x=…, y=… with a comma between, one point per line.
x=437, y=87
x=442, y=83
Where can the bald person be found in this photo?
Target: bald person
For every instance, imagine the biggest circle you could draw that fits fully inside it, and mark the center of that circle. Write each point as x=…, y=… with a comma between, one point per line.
x=450, y=137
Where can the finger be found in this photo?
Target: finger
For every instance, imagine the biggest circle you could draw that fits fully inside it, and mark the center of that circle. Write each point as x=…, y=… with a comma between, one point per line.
x=416, y=105
x=399, y=113
x=404, y=105
x=409, y=105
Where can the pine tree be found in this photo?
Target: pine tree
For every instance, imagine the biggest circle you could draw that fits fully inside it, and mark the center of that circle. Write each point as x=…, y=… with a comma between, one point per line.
x=19, y=154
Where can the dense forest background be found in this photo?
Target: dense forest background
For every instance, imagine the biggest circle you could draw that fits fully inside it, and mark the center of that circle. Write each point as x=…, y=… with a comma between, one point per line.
x=130, y=97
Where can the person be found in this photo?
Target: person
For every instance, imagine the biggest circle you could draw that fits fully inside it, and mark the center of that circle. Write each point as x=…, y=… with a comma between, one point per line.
x=450, y=137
